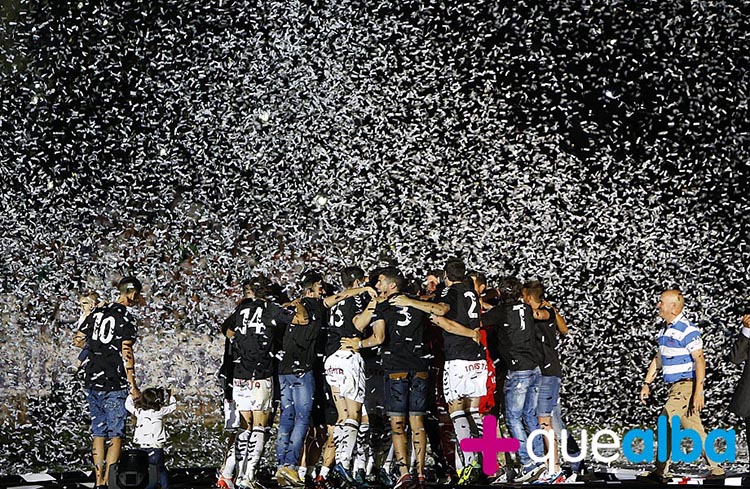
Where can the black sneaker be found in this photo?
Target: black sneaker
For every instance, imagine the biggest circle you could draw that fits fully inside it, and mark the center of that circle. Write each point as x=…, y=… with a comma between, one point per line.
x=652, y=477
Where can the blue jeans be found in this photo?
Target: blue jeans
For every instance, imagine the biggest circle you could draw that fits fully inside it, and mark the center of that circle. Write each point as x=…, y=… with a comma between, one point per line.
x=406, y=393
x=156, y=457
x=549, y=395
x=296, y=403
x=108, y=413
x=573, y=449
x=521, y=393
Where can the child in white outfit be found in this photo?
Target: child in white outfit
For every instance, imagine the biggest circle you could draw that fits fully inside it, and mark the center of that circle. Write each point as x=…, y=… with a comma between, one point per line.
x=149, y=430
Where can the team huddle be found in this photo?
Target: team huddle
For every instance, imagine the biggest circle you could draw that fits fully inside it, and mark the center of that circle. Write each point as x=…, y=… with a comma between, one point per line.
x=423, y=365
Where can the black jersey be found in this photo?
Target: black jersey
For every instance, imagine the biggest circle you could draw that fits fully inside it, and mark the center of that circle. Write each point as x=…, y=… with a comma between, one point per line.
x=465, y=310
x=341, y=321
x=546, y=332
x=255, y=324
x=105, y=329
x=405, y=346
x=516, y=334
x=226, y=370
x=298, y=345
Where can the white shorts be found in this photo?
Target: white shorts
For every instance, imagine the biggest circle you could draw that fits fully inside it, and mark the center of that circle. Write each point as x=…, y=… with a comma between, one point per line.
x=464, y=378
x=231, y=416
x=345, y=371
x=253, y=395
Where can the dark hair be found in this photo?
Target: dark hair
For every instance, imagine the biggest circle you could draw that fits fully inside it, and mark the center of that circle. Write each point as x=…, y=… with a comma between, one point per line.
x=151, y=398
x=455, y=270
x=127, y=284
x=479, y=278
x=535, y=289
x=372, y=277
x=309, y=279
x=440, y=274
x=350, y=274
x=394, y=276
x=259, y=286
x=412, y=285
x=510, y=290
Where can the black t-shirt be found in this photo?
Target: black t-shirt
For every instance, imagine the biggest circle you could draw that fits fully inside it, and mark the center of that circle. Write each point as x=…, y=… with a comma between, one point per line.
x=106, y=328
x=255, y=324
x=546, y=333
x=405, y=346
x=298, y=344
x=465, y=310
x=341, y=321
x=226, y=370
x=516, y=334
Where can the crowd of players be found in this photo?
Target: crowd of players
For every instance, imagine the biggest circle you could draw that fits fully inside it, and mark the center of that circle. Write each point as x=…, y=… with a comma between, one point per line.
x=372, y=377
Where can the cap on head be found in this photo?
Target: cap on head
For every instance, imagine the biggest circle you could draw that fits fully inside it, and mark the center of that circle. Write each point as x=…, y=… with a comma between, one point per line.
x=130, y=283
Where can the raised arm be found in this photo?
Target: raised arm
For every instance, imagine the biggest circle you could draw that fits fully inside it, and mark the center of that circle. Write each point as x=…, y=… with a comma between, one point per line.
x=377, y=338
x=79, y=339
x=332, y=300
x=436, y=309
x=171, y=406
x=300, y=316
x=562, y=326
x=362, y=319
x=455, y=328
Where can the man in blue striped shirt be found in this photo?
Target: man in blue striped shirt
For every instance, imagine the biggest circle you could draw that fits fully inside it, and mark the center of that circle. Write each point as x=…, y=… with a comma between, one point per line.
x=681, y=359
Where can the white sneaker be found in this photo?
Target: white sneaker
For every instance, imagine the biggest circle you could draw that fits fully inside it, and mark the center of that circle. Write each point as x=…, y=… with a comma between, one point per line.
x=243, y=482
x=570, y=479
x=531, y=473
x=543, y=478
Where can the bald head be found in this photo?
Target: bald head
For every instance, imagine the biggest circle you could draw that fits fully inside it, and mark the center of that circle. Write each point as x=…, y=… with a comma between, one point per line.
x=670, y=304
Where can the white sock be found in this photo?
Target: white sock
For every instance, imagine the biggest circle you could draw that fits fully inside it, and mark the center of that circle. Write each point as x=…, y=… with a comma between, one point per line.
x=388, y=464
x=324, y=471
x=302, y=471
x=339, y=435
x=463, y=430
x=257, y=440
x=351, y=428
x=241, y=452
x=230, y=463
x=477, y=419
x=363, y=447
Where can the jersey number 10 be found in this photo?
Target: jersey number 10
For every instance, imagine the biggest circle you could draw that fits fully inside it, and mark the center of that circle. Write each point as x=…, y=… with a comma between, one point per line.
x=103, y=331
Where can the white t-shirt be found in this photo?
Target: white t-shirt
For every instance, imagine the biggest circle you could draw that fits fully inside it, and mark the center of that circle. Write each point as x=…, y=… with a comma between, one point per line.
x=149, y=430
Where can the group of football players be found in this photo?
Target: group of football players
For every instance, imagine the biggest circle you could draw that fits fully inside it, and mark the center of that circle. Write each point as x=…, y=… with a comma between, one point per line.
x=374, y=376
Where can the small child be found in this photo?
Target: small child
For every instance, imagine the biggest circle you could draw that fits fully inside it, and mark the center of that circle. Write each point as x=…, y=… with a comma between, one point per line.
x=149, y=430
x=88, y=302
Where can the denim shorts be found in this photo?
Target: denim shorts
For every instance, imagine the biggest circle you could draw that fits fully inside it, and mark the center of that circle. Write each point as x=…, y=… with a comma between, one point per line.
x=406, y=393
x=108, y=413
x=549, y=395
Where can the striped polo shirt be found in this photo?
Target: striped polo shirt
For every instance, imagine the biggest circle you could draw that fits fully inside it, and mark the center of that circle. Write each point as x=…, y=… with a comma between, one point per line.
x=677, y=341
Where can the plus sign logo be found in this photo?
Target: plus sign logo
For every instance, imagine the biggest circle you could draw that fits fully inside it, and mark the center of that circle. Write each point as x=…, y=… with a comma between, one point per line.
x=490, y=445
